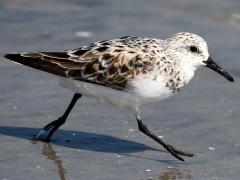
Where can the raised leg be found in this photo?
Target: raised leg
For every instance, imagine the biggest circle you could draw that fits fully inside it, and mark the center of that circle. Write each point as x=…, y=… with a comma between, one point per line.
x=143, y=128
x=46, y=133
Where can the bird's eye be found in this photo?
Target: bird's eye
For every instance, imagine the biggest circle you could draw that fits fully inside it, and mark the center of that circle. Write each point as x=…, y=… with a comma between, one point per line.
x=193, y=49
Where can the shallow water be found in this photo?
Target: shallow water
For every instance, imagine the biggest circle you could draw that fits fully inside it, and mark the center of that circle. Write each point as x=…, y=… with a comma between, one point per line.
x=100, y=141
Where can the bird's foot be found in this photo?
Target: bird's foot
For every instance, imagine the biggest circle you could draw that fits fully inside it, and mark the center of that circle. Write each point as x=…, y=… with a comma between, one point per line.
x=46, y=133
x=176, y=153
x=42, y=135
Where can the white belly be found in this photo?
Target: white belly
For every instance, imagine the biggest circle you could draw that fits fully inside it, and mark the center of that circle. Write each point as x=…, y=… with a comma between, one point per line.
x=125, y=99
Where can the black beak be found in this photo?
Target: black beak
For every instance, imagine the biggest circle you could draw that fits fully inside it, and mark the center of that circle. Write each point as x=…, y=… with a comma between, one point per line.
x=214, y=66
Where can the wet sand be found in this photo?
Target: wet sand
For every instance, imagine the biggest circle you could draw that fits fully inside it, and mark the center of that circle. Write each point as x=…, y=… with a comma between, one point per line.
x=101, y=142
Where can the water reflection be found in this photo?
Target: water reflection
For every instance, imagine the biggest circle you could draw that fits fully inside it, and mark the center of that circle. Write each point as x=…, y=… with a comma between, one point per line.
x=51, y=154
x=173, y=174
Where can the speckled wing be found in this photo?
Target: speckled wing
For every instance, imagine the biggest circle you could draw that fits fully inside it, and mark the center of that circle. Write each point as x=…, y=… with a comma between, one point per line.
x=111, y=67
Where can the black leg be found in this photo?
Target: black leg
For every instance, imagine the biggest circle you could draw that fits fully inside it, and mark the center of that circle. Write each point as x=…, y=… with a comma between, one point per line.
x=47, y=132
x=143, y=128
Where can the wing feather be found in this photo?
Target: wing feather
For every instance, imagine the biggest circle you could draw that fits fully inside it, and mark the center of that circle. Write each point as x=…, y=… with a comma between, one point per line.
x=105, y=66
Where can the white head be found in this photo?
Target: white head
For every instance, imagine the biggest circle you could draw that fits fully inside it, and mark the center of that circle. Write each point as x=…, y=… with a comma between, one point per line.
x=191, y=51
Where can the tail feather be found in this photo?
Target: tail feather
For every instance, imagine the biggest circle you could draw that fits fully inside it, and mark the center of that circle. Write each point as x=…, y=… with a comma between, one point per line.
x=37, y=61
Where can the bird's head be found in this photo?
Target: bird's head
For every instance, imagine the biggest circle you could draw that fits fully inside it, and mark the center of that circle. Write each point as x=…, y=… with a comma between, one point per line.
x=191, y=52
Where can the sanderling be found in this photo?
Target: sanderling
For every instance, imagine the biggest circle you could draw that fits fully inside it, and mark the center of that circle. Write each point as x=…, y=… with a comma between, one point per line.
x=127, y=72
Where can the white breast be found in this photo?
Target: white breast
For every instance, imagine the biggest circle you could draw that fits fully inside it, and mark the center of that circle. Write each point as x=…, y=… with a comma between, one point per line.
x=151, y=85
x=144, y=91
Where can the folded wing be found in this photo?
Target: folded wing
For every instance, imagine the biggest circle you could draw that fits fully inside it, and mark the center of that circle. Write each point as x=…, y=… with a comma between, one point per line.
x=102, y=65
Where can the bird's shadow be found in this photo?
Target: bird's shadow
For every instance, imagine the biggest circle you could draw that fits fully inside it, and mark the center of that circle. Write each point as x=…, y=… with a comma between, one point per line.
x=80, y=140
x=88, y=141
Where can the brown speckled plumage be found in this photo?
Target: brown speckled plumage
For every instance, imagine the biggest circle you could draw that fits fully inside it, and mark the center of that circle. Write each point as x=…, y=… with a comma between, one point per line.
x=111, y=63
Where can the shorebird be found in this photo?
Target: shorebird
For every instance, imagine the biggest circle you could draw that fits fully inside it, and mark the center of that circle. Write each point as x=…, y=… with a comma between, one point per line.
x=127, y=72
